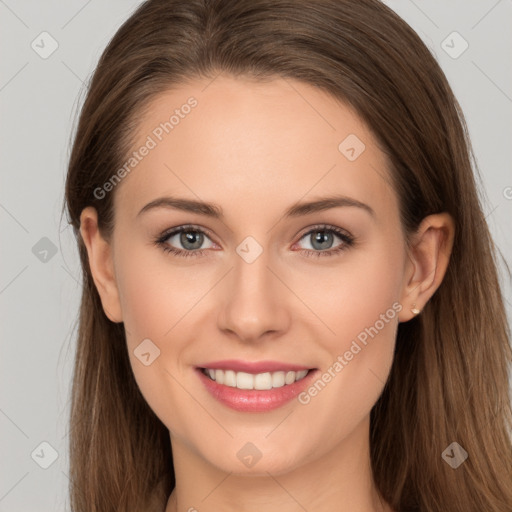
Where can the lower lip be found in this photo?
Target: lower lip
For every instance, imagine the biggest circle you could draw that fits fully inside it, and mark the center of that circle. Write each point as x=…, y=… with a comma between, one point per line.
x=254, y=400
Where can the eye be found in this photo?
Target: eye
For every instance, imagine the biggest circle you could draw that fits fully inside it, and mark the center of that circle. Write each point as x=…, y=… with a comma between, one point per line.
x=191, y=238
x=322, y=237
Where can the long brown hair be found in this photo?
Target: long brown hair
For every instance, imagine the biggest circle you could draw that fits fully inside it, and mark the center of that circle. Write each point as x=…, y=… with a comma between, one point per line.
x=449, y=379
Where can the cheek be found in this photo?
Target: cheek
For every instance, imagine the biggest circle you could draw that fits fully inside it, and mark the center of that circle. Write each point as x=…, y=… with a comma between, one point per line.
x=148, y=294
x=154, y=363
x=360, y=306
x=155, y=298
x=370, y=316
x=353, y=295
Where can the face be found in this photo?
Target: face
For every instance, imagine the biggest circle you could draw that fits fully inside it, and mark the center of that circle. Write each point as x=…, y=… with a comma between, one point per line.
x=316, y=289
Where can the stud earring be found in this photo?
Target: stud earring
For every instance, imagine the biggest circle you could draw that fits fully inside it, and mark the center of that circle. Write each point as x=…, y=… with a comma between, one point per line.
x=414, y=309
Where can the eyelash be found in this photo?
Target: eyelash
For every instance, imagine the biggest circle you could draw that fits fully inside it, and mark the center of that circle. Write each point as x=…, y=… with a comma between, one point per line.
x=348, y=241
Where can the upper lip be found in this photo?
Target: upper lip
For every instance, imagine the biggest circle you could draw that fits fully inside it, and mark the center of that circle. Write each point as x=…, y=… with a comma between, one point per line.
x=253, y=367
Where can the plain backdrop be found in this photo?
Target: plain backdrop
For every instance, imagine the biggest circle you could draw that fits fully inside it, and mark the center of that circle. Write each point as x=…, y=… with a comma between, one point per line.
x=48, y=50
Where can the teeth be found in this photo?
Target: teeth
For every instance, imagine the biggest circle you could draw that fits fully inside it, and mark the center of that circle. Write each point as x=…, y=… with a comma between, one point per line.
x=289, y=378
x=278, y=379
x=260, y=381
x=244, y=380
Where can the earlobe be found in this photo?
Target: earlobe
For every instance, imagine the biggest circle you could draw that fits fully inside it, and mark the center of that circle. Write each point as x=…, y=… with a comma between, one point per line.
x=428, y=258
x=101, y=263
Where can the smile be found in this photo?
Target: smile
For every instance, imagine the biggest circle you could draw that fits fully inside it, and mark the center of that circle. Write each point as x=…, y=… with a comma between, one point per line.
x=259, y=391
x=259, y=381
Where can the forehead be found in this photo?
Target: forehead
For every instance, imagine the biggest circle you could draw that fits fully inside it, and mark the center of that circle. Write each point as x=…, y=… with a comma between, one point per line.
x=247, y=145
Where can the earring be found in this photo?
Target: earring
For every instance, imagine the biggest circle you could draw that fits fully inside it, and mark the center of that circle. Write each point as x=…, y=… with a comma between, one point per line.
x=414, y=309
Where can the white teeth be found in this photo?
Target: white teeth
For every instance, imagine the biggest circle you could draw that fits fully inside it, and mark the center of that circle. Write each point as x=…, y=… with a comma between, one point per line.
x=260, y=381
x=278, y=379
x=301, y=374
x=244, y=380
x=229, y=378
x=289, y=378
x=263, y=381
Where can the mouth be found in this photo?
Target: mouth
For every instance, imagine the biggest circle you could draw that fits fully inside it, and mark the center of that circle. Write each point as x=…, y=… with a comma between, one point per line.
x=254, y=387
x=259, y=381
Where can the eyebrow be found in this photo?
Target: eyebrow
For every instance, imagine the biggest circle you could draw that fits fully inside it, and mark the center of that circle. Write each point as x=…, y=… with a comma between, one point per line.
x=296, y=210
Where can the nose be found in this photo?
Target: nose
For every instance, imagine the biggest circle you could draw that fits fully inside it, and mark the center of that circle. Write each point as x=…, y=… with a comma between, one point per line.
x=253, y=301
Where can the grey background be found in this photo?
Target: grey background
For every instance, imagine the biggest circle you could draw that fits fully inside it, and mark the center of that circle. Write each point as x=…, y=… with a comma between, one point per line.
x=39, y=292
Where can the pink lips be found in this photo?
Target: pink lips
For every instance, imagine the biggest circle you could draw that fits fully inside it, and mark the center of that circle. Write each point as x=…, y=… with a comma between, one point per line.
x=253, y=400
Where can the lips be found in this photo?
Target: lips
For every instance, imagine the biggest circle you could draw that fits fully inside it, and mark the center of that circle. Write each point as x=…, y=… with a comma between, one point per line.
x=254, y=387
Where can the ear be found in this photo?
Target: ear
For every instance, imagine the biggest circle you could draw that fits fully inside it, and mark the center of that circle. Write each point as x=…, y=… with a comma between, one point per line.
x=101, y=263
x=428, y=257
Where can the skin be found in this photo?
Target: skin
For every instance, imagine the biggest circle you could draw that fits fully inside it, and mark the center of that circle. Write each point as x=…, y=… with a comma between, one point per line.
x=255, y=149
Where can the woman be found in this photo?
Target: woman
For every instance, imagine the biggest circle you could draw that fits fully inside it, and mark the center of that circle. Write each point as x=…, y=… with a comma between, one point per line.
x=244, y=371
